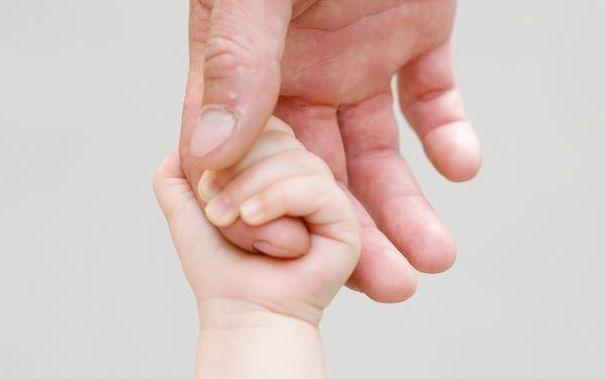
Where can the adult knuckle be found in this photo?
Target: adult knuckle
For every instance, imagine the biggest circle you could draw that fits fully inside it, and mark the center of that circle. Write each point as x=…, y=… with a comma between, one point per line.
x=221, y=59
x=235, y=42
x=228, y=53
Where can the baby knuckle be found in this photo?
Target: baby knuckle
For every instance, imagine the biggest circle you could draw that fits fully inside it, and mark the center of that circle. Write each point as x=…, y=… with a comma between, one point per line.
x=319, y=187
x=156, y=182
x=279, y=195
x=352, y=239
x=322, y=167
x=326, y=184
x=303, y=161
x=245, y=184
x=276, y=124
x=314, y=164
x=159, y=179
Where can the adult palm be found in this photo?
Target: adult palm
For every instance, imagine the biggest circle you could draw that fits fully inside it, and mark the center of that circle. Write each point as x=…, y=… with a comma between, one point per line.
x=325, y=67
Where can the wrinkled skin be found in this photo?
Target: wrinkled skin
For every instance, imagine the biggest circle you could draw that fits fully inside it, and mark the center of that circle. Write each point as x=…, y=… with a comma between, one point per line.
x=325, y=68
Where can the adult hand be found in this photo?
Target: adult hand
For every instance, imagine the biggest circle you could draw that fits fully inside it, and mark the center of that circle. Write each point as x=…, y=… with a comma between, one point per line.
x=324, y=66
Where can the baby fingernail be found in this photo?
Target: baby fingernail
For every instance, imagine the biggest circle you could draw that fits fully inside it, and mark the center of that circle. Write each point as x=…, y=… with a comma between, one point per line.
x=221, y=211
x=208, y=186
x=263, y=247
x=252, y=210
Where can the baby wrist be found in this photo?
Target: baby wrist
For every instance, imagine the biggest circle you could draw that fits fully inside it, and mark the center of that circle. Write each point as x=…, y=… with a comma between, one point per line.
x=234, y=314
x=243, y=340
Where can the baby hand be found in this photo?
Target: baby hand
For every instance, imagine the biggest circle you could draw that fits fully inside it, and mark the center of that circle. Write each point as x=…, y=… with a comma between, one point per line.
x=277, y=178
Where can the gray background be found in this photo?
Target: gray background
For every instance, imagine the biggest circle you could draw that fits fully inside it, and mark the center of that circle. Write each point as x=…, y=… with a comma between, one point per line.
x=90, y=97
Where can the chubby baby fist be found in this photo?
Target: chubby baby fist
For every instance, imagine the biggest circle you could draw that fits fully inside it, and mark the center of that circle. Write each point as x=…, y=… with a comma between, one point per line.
x=278, y=178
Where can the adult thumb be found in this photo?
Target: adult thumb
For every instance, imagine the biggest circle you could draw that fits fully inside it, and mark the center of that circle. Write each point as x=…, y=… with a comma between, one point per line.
x=241, y=81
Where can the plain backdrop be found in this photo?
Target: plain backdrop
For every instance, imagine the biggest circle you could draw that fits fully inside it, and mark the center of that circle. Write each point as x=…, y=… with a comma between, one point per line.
x=90, y=101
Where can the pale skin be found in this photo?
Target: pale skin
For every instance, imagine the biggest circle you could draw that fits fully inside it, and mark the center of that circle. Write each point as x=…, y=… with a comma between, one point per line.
x=324, y=66
x=259, y=312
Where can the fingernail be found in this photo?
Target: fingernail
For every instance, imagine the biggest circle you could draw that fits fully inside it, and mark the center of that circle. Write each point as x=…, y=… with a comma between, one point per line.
x=221, y=212
x=252, y=210
x=214, y=127
x=208, y=186
x=264, y=247
x=353, y=287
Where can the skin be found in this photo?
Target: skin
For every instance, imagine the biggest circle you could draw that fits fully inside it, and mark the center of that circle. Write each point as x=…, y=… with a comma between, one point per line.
x=259, y=313
x=325, y=68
